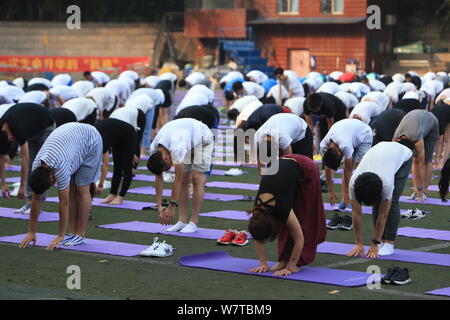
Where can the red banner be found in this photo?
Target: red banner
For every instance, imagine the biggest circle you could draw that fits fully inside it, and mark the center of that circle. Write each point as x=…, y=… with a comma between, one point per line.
x=70, y=64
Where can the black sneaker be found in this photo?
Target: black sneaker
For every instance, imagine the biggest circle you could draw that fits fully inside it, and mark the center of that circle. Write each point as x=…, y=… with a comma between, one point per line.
x=387, y=277
x=346, y=224
x=335, y=222
x=401, y=276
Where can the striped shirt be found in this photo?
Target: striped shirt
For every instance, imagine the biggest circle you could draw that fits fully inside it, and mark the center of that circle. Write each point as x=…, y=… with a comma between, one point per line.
x=66, y=149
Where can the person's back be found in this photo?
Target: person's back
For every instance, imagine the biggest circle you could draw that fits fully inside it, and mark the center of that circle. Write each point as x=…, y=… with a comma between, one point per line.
x=385, y=124
x=261, y=115
x=206, y=114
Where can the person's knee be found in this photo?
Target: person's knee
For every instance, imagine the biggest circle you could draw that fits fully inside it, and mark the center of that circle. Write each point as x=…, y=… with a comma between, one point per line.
x=198, y=179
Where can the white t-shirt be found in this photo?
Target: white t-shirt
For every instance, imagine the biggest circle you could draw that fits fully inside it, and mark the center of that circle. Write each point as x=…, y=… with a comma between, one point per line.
x=128, y=114
x=43, y=81
x=100, y=77
x=133, y=75
x=120, y=88
x=82, y=87
x=408, y=87
x=379, y=98
x=366, y=111
x=193, y=99
x=201, y=88
x=295, y=105
x=274, y=92
x=5, y=107
x=294, y=85
x=231, y=76
x=314, y=83
x=10, y=93
x=257, y=76
x=383, y=159
x=443, y=95
x=65, y=92
x=329, y=87
x=336, y=75
x=291, y=74
x=142, y=102
x=103, y=97
x=195, y=78
x=347, y=134
x=20, y=82
x=393, y=90
x=347, y=98
x=180, y=136
x=62, y=79
x=285, y=128
x=433, y=87
x=157, y=95
x=398, y=77
x=247, y=111
x=242, y=102
x=253, y=89
x=152, y=81
x=168, y=76
x=359, y=89
x=34, y=96
x=81, y=107
x=377, y=85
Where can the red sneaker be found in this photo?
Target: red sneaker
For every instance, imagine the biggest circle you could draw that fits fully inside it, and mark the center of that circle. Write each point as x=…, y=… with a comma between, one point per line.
x=240, y=239
x=227, y=237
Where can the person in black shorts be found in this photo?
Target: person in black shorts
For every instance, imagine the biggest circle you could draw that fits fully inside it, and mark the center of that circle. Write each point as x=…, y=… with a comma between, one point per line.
x=442, y=113
x=385, y=124
x=162, y=111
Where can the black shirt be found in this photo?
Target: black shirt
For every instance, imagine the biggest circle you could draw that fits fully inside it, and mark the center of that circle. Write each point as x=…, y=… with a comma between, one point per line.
x=164, y=85
x=283, y=186
x=332, y=107
x=262, y=114
x=27, y=120
x=116, y=132
x=408, y=105
x=206, y=114
x=62, y=116
x=442, y=113
x=386, y=123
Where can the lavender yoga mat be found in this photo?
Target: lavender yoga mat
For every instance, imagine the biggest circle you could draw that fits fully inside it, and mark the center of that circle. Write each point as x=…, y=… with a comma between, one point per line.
x=207, y=196
x=91, y=245
x=222, y=261
x=127, y=204
x=144, y=177
x=232, y=215
x=13, y=167
x=233, y=164
x=232, y=185
x=148, y=227
x=440, y=292
x=424, y=233
x=365, y=210
x=433, y=201
x=43, y=216
x=399, y=255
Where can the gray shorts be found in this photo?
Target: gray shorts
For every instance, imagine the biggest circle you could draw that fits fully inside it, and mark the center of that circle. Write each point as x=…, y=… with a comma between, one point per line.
x=430, y=143
x=361, y=150
x=89, y=171
x=200, y=158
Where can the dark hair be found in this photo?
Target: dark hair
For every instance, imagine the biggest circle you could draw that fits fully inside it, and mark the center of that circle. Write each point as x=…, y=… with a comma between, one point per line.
x=247, y=78
x=443, y=181
x=408, y=143
x=278, y=71
x=332, y=159
x=222, y=85
x=262, y=225
x=5, y=144
x=232, y=114
x=86, y=73
x=270, y=100
x=417, y=81
x=368, y=187
x=237, y=86
x=314, y=101
x=229, y=95
x=155, y=163
x=39, y=180
x=306, y=89
x=182, y=83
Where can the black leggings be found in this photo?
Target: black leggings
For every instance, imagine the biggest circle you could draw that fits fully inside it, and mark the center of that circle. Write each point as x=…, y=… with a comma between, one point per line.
x=304, y=146
x=90, y=119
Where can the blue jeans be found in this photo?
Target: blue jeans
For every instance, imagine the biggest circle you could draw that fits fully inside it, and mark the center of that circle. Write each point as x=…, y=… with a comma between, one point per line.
x=147, y=137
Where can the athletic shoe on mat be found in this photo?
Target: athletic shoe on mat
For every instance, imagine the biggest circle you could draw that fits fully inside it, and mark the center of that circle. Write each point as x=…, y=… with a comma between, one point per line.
x=168, y=177
x=407, y=214
x=234, y=172
x=387, y=277
x=346, y=223
x=335, y=222
x=147, y=252
x=162, y=250
x=67, y=239
x=386, y=249
x=177, y=227
x=189, y=228
x=240, y=239
x=26, y=209
x=413, y=196
x=418, y=214
x=75, y=241
x=401, y=276
x=227, y=237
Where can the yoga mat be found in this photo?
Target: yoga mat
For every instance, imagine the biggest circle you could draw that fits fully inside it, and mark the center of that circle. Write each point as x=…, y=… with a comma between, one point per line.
x=148, y=227
x=233, y=164
x=91, y=245
x=143, y=177
x=424, y=233
x=365, y=210
x=440, y=292
x=433, y=201
x=227, y=214
x=222, y=261
x=222, y=154
x=207, y=196
x=399, y=255
x=13, y=167
x=127, y=204
x=43, y=216
x=232, y=185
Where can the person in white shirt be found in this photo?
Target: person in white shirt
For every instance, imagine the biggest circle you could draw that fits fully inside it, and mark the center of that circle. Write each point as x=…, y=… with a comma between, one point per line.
x=359, y=89
x=290, y=82
x=172, y=77
x=313, y=83
x=365, y=111
x=100, y=79
x=120, y=88
x=393, y=90
x=176, y=144
x=248, y=89
x=295, y=105
x=38, y=80
x=274, y=93
x=238, y=106
x=106, y=101
x=432, y=88
x=256, y=76
x=133, y=75
x=60, y=94
x=82, y=87
x=35, y=96
x=444, y=95
x=247, y=112
x=230, y=76
x=85, y=109
x=195, y=78
x=379, y=182
x=377, y=85
x=348, y=99
x=378, y=97
x=10, y=94
x=329, y=87
x=62, y=79
x=347, y=139
x=201, y=88
x=151, y=81
x=193, y=99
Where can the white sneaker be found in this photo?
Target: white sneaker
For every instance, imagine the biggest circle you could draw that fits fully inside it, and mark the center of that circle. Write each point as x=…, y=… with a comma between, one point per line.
x=168, y=177
x=148, y=252
x=162, y=250
x=418, y=214
x=26, y=209
x=413, y=196
x=177, y=227
x=407, y=214
x=234, y=172
x=75, y=241
x=189, y=228
x=386, y=249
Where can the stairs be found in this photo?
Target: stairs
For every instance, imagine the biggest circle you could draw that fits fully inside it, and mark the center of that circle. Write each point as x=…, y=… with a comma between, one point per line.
x=419, y=62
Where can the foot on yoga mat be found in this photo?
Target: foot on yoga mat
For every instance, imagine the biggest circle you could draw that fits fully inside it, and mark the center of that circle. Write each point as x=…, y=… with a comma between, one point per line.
x=222, y=261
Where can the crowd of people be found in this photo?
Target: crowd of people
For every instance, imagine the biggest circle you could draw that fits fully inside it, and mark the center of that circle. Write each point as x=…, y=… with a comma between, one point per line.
x=380, y=127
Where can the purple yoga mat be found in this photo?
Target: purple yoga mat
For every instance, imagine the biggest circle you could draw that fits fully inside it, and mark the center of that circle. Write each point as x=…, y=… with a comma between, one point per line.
x=424, y=233
x=233, y=164
x=432, y=201
x=232, y=185
x=13, y=179
x=223, y=154
x=227, y=214
x=399, y=255
x=222, y=261
x=13, y=167
x=207, y=196
x=365, y=210
x=43, y=216
x=148, y=227
x=440, y=292
x=91, y=245
x=127, y=204
x=143, y=177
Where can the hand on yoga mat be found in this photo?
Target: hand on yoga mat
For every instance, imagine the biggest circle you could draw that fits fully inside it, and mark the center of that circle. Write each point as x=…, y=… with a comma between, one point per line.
x=21, y=194
x=54, y=244
x=332, y=198
x=358, y=250
x=166, y=216
x=261, y=269
x=30, y=237
x=372, y=253
x=5, y=191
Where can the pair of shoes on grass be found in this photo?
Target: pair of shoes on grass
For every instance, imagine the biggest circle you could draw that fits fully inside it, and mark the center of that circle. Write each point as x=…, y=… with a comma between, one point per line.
x=234, y=237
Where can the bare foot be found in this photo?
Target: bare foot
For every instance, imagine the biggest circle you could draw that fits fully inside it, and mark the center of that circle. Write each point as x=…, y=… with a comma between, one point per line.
x=280, y=265
x=109, y=198
x=117, y=200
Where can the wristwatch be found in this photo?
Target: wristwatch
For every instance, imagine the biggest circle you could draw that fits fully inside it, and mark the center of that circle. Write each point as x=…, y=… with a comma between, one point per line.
x=375, y=241
x=173, y=203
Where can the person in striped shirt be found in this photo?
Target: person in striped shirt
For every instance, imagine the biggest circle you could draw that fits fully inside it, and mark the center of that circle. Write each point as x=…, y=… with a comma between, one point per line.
x=71, y=158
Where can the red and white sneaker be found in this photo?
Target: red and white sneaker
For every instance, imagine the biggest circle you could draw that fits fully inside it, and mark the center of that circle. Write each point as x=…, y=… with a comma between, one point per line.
x=227, y=237
x=240, y=239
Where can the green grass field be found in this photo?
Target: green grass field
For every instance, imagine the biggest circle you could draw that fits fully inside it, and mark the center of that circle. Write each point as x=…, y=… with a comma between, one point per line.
x=34, y=273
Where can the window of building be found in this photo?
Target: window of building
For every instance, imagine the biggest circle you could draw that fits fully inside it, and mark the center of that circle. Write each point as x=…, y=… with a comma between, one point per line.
x=288, y=6
x=332, y=6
